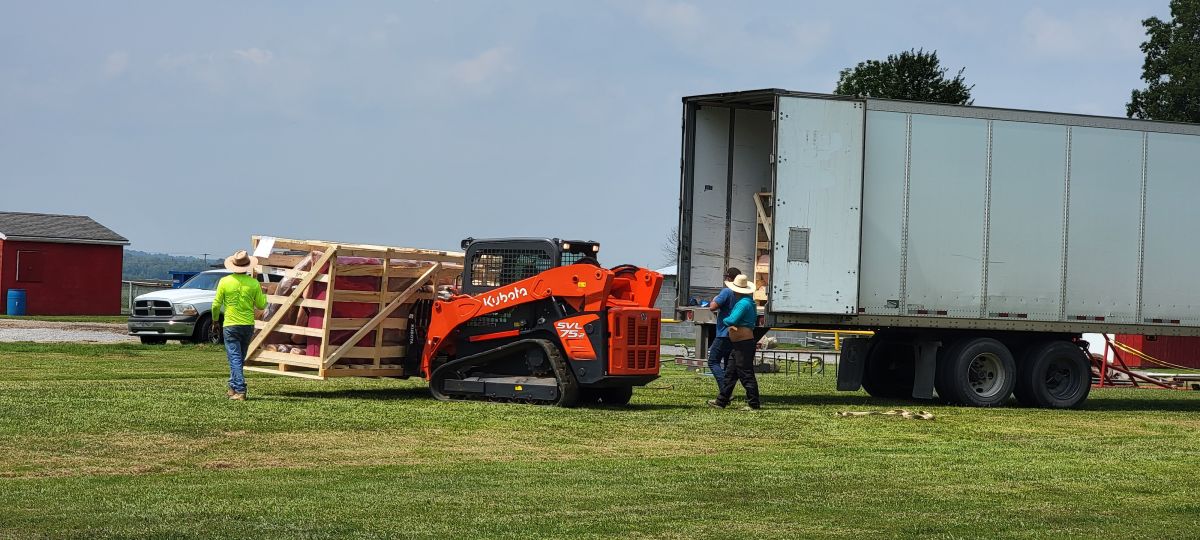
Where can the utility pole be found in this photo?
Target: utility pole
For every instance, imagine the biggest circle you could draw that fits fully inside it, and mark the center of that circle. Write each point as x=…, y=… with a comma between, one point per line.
x=206, y=260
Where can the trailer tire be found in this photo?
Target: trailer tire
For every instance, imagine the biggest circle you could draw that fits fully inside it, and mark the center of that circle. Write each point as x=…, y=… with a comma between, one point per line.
x=979, y=372
x=890, y=368
x=1053, y=375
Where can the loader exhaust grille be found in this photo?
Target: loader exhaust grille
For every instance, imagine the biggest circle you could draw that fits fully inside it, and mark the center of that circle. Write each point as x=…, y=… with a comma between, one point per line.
x=634, y=342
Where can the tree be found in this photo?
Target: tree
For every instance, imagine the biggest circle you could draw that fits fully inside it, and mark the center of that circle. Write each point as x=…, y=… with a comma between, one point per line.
x=914, y=75
x=670, y=247
x=1172, y=67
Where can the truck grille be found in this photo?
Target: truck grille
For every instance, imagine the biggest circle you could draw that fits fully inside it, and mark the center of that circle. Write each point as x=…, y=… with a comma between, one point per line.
x=634, y=344
x=152, y=308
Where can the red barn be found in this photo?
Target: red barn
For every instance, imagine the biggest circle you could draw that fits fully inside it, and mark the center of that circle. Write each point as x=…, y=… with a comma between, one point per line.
x=1179, y=350
x=67, y=265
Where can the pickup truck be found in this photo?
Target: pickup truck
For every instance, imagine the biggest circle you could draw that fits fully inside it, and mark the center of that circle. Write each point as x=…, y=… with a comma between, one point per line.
x=182, y=313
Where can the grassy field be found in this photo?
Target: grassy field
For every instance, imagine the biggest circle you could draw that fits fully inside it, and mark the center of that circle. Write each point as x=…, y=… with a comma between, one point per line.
x=132, y=441
x=119, y=319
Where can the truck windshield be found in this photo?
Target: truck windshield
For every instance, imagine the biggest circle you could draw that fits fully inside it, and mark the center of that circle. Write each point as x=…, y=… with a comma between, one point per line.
x=205, y=281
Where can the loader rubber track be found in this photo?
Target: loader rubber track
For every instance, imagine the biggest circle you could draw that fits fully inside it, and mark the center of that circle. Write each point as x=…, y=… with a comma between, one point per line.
x=568, y=387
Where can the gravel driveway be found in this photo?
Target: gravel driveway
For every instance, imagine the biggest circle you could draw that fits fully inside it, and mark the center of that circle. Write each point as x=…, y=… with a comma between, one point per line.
x=59, y=332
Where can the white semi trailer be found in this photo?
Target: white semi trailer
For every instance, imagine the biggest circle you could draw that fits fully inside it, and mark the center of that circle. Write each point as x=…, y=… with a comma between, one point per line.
x=978, y=243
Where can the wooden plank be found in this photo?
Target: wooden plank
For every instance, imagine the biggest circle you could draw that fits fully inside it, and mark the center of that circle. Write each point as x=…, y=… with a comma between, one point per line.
x=383, y=314
x=281, y=261
x=369, y=250
x=301, y=274
x=256, y=343
x=762, y=215
x=303, y=302
x=329, y=295
x=370, y=297
x=389, y=351
x=391, y=323
x=298, y=360
x=383, y=288
x=298, y=374
x=291, y=329
x=376, y=270
x=382, y=371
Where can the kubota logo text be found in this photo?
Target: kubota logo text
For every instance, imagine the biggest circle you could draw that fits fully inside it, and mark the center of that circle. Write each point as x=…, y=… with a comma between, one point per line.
x=504, y=297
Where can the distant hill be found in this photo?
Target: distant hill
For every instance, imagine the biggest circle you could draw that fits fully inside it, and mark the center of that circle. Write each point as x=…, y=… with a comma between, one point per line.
x=142, y=265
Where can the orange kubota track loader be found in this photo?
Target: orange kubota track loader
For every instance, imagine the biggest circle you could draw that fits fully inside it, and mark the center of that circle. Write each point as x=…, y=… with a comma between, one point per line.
x=540, y=321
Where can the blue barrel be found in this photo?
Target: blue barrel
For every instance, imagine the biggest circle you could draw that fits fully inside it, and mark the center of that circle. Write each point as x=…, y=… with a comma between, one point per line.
x=16, y=302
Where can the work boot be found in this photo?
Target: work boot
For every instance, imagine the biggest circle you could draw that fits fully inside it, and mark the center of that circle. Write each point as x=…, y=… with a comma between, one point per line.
x=238, y=397
x=229, y=393
x=714, y=404
x=749, y=408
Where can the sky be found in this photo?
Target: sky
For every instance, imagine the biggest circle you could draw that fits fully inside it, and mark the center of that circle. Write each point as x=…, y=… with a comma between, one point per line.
x=187, y=127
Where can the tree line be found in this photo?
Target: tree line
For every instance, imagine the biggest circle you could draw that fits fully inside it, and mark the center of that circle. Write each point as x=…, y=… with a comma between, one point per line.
x=143, y=265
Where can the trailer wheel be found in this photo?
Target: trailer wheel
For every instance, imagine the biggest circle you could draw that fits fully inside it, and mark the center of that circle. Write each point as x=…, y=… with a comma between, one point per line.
x=1053, y=375
x=890, y=368
x=979, y=372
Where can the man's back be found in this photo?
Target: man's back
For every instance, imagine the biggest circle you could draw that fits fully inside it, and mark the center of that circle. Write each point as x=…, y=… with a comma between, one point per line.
x=239, y=295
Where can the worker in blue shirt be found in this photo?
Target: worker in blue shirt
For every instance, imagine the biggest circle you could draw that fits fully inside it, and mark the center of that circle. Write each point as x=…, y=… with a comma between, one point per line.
x=719, y=351
x=740, y=332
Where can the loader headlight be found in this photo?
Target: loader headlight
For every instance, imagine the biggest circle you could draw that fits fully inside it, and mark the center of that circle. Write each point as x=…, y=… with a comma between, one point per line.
x=185, y=309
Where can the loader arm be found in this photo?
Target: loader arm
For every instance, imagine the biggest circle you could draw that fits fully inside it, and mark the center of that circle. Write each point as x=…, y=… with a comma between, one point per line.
x=582, y=286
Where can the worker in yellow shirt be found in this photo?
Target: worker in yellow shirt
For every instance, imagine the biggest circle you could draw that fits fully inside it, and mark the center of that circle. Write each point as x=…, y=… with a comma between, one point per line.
x=240, y=295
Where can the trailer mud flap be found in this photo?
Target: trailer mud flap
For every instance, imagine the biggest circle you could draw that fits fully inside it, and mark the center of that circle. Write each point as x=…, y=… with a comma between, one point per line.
x=853, y=362
x=926, y=358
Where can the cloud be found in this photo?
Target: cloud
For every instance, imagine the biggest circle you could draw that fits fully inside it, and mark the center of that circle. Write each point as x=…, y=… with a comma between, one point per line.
x=115, y=64
x=731, y=38
x=255, y=55
x=485, y=67
x=1084, y=35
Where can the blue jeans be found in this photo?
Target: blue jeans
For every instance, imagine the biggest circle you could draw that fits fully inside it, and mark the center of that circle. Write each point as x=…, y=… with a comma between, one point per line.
x=237, y=340
x=718, y=353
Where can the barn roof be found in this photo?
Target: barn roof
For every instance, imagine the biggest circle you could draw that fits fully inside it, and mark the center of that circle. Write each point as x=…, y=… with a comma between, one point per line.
x=56, y=228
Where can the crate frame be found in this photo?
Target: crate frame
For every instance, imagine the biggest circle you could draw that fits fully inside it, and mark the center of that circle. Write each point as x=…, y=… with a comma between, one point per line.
x=446, y=267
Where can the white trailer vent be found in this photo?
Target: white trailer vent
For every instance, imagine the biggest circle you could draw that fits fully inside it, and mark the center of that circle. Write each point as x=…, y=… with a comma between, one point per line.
x=797, y=245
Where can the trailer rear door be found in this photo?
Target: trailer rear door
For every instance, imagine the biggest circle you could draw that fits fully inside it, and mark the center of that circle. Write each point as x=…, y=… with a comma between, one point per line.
x=818, y=201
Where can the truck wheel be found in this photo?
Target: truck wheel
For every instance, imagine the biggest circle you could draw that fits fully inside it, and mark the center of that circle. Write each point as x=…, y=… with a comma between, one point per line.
x=979, y=372
x=619, y=395
x=1053, y=375
x=150, y=340
x=203, y=332
x=890, y=368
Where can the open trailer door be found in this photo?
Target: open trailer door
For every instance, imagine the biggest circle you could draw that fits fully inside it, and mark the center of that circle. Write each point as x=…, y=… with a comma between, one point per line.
x=818, y=205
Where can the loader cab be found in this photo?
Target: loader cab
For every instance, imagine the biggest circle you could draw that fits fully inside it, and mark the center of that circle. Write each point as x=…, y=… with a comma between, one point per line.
x=492, y=263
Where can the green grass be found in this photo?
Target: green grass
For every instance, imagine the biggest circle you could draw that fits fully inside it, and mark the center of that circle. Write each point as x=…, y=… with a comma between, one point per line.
x=121, y=319
x=133, y=441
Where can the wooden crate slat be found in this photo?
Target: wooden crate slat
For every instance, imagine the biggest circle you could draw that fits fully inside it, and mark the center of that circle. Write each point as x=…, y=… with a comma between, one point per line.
x=298, y=360
x=386, y=351
x=369, y=297
x=376, y=270
x=368, y=372
x=354, y=324
x=281, y=261
x=291, y=329
x=303, y=302
x=272, y=371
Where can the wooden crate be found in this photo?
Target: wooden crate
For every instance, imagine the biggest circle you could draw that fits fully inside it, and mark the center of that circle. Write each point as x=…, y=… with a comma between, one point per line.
x=322, y=280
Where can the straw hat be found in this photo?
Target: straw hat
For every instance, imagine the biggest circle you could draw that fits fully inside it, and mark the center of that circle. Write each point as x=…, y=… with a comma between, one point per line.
x=241, y=261
x=741, y=284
